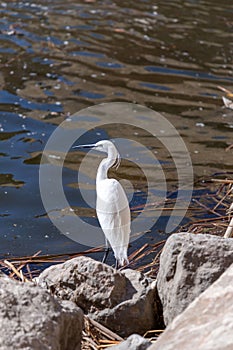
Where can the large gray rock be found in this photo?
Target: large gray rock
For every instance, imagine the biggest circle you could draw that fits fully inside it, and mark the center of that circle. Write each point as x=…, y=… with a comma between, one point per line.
x=134, y=342
x=122, y=301
x=206, y=324
x=31, y=319
x=189, y=264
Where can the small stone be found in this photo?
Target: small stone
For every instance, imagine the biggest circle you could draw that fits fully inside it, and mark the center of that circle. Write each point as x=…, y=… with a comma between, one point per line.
x=134, y=342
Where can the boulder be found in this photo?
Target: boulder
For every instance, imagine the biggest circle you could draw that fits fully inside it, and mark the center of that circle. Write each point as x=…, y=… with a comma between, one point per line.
x=123, y=301
x=207, y=323
x=189, y=264
x=134, y=342
x=31, y=319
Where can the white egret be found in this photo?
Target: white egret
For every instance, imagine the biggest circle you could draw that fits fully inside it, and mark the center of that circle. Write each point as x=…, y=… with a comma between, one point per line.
x=112, y=205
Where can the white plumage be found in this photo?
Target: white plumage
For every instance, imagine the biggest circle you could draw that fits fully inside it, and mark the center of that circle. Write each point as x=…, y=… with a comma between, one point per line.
x=112, y=205
x=114, y=217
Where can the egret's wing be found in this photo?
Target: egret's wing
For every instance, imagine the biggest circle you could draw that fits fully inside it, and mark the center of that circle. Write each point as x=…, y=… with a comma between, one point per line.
x=111, y=197
x=113, y=212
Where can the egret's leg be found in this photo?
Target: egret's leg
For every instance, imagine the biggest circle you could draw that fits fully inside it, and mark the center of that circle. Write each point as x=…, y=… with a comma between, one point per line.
x=116, y=265
x=106, y=251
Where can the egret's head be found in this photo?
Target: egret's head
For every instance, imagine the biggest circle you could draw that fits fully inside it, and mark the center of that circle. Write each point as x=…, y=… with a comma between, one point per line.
x=108, y=147
x=105, y=146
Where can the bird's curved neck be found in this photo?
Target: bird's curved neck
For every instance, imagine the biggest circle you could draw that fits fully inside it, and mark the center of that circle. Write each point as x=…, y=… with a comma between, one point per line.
x=105, y=164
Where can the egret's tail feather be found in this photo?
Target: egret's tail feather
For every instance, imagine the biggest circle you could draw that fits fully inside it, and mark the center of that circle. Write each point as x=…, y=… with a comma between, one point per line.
x=121, y=257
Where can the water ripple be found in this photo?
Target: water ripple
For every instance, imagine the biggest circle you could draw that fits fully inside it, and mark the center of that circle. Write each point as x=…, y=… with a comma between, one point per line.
x=58, y=57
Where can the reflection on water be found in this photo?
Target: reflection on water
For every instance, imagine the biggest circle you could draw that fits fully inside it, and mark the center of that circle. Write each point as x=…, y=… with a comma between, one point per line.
x=58, y=57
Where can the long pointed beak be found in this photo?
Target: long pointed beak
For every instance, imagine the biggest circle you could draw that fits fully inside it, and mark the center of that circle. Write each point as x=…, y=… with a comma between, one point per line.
x=85, y=146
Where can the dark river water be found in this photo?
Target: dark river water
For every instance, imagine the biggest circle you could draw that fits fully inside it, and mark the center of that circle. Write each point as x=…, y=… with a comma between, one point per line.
x=59, y=57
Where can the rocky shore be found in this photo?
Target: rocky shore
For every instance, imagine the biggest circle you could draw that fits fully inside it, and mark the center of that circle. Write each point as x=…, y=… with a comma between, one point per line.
x=192, y=297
